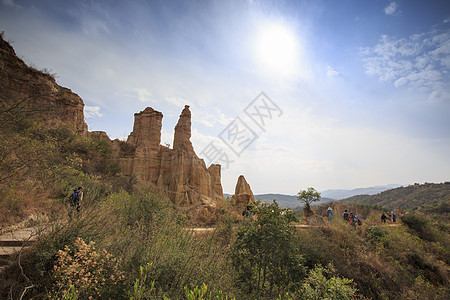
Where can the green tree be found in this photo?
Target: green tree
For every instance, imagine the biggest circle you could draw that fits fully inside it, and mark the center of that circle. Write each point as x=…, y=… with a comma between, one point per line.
x=265, y=253
x=308, y=196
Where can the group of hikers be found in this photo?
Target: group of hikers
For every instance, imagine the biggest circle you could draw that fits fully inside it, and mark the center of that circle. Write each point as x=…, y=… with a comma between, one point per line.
x=351, y=218
x=355, y=220
x=348, y=217
x=392, y=217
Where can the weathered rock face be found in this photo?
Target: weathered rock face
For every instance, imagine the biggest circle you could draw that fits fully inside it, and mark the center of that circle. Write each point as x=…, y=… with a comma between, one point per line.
x=243, y=193
x=182, y=136
x=178, y=171
x=39, y=93
x=214, y=172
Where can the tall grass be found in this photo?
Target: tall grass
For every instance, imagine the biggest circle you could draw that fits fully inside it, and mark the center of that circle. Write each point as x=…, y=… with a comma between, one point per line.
x=138, y=229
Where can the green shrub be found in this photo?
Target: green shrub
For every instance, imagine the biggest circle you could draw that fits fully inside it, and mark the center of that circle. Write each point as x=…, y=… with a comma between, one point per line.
x=265, y=255
x=322, y=284
x=201, y=293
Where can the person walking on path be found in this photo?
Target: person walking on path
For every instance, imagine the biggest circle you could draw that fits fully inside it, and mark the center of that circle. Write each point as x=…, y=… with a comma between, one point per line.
x=394, y=217
x=75, y=200
x=383, y=218
x=345, y=215
x=329, y=214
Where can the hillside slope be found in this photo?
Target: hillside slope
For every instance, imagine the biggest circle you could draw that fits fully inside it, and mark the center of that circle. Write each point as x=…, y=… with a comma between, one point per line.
x=428, y=197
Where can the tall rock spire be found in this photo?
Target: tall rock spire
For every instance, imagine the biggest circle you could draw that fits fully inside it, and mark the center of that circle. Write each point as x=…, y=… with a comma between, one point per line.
x=146, y=134
x=243, y=193
x=182, y=136
x=178, y=171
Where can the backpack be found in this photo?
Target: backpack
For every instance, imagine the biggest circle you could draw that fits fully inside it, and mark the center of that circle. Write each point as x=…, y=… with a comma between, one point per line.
x=346, y=216
x=73, y=198
x=359, y=222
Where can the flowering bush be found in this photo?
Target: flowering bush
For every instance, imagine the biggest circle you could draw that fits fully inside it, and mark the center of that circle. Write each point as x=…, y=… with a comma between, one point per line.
x=90, y=274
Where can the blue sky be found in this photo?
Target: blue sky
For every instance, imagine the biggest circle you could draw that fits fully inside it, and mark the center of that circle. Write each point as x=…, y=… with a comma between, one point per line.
x=362, y=87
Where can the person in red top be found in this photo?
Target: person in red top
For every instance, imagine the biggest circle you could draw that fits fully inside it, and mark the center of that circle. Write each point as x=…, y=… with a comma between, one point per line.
x=351, y=218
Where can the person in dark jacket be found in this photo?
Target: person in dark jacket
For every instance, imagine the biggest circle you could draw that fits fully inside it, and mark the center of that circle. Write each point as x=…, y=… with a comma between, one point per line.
x=383, y=218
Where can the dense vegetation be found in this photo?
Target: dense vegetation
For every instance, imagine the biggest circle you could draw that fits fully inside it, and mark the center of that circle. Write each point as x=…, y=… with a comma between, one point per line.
x=130, y=242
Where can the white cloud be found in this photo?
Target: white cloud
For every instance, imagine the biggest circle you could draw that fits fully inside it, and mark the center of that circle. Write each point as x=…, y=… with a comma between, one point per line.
x=92, y=112
x=166, y=137
x=421, y=61
x=447, y=20
x=401, y=81
x=331, y=72
x=391, y=8
x=143, y=94
x=207, y=123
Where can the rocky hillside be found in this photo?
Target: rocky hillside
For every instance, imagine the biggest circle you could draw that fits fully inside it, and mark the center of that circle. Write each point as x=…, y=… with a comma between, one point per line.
x=35, y=92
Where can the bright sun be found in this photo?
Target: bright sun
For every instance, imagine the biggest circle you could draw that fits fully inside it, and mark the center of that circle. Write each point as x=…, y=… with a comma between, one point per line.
x=277, y=48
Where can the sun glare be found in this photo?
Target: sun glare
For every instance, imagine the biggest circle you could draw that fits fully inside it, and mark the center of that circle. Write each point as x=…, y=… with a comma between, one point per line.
x=277, y=49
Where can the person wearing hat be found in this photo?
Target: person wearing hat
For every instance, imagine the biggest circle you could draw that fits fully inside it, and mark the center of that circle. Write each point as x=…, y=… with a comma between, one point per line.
x=329, y=214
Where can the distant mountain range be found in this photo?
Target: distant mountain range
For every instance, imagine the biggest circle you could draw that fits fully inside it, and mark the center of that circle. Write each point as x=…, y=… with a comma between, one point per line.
x=342, y=194
x=287, y=201
x=290, y=201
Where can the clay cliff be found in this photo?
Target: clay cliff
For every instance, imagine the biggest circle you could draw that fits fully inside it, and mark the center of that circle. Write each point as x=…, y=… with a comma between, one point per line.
x=34, y=92
x=178, y=171
x=243, y=193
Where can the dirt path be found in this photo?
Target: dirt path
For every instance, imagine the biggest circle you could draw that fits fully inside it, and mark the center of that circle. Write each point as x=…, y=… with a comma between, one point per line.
x=12, y=242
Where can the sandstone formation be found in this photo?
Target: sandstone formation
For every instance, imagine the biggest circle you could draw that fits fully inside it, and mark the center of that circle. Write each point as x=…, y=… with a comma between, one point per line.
x=243, y=193
x=35, y=92
x=178, y=171
x=182, y=136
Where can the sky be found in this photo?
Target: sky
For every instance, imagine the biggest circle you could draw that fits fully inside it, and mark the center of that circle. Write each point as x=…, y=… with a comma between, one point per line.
x=291, y=94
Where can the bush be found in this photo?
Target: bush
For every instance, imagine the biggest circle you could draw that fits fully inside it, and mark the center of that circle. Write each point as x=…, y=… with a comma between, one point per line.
x=425, y=228
x=322, y=284
x=265, y=254
x=83, y=270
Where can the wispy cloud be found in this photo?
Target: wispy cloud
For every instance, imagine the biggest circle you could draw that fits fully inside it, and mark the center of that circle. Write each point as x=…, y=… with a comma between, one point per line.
x=143, y=94
x=331, y=72
x=391, y=9
x=421, y=61
x=92, y=112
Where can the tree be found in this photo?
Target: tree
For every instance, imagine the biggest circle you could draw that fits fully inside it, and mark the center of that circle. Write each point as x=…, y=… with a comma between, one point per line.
x=266, y=254
x=308, y=196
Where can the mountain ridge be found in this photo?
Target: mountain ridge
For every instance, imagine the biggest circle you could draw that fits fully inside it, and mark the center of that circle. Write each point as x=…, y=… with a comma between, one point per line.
x=340, y=194
x=290, y=201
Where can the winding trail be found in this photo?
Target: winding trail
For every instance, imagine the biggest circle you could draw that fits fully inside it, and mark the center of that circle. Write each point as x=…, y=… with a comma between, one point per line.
x=15, y=241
